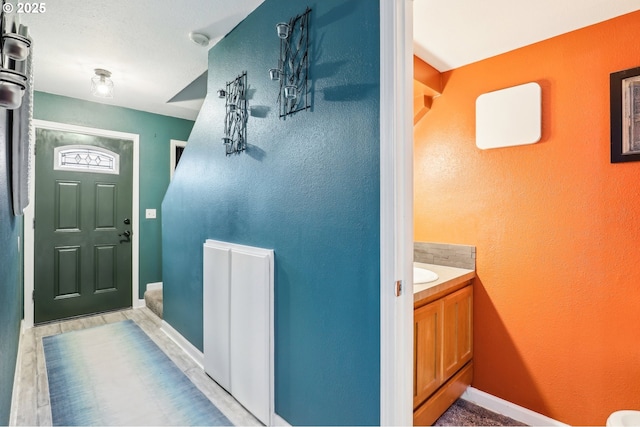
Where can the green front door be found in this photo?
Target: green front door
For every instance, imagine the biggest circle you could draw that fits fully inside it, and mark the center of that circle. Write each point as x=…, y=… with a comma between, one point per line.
x=82, y=224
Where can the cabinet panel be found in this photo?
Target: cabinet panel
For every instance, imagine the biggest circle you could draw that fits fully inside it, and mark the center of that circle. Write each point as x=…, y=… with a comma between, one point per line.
x=427, y=348
x=457, y=330
x=216, y=314
x=441, y=400
x=249, y=331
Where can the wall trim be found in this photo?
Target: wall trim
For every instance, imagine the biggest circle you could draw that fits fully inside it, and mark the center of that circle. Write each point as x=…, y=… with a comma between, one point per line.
x=508, y=409
x=277, y=420
x=183, y=343
x=154, y=286
x=396, y=211
x=13, y=413
x=29, y=212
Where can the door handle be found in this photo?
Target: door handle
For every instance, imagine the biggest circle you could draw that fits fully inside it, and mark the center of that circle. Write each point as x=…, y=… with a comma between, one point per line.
x=126, y=235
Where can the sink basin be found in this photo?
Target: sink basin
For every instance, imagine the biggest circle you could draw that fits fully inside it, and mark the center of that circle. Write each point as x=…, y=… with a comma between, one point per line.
x=624, y=418
x=422, y=275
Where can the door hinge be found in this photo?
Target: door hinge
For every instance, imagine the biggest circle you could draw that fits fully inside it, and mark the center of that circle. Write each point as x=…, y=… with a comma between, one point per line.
x=398, y=288
x=34, y=223
x=33, y=295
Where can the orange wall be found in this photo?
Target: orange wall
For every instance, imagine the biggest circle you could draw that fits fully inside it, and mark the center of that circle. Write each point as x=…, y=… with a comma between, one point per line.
x=428, y=76
x=556, y=225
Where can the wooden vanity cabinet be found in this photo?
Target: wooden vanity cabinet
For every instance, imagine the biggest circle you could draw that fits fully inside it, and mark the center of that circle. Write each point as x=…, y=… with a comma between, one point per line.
x=443, y=349
x=458, y=330
x=427, y=366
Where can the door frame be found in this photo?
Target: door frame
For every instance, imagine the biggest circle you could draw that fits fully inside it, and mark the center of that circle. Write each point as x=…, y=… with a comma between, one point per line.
x=29, y=212
x=174, y=143
x=396, y=212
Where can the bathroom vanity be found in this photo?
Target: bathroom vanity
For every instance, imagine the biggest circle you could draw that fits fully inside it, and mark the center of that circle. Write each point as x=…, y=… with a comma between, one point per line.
x=443, y=341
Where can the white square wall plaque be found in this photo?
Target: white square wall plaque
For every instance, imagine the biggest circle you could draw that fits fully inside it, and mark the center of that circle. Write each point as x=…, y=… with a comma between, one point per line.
x=508, y=117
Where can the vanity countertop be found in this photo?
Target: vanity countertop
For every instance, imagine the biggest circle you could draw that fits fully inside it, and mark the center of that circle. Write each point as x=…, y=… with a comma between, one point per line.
x=449, y=278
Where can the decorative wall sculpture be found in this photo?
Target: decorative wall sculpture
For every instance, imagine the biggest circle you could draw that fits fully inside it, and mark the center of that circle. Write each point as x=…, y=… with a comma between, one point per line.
x=235, y=119
x=293, y=65
x=16, y=95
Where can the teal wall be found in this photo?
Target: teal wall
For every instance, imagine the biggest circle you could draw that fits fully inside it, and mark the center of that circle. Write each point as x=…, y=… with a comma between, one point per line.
x=10, y=280
x=307, y=187
x=155, y=132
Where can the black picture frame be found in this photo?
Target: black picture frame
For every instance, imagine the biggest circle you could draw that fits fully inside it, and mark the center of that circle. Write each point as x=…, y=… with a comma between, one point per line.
x=625, y=115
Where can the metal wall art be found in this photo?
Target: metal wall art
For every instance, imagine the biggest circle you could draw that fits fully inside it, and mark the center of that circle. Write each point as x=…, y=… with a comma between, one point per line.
x=15, y=47
x=293, y=65
x=235, y=119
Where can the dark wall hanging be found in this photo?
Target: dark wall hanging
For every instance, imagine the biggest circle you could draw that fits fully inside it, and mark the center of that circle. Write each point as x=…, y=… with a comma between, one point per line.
x=293, y=65
x=235, y=118
x=625, y=115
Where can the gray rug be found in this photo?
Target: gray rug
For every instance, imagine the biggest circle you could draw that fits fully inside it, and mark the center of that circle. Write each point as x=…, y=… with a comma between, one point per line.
x=464, y=413
x=115, y=375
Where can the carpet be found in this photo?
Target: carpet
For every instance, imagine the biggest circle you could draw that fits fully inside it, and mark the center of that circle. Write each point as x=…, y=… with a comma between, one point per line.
x=464, y=413
x=116, y=375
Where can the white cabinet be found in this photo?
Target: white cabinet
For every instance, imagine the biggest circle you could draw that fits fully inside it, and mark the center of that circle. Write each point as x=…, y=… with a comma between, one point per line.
x=238, y=323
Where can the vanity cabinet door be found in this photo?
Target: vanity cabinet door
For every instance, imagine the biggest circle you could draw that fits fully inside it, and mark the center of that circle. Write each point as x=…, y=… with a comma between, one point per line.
x=427, y=344
x=457, y=330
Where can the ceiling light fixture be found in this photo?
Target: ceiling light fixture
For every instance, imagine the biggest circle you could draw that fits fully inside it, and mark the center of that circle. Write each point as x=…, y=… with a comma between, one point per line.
x=199, y=38
x=101, y=84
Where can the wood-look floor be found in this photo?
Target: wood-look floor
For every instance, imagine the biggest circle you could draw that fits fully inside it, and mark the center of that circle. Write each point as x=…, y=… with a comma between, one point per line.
x=31, y=408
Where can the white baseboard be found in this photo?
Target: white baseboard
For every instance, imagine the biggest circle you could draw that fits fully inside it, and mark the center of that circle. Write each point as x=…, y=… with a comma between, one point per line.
x=183, y=343
x=508, y=409
x=154, y=286
x=139, y=303
x=278, y=421
x=13, y=414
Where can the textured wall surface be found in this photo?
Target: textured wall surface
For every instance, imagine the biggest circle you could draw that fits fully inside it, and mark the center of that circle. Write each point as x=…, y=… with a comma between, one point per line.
x=10, y=281
x=555, y=225
x=307, y=187
x=155, y=133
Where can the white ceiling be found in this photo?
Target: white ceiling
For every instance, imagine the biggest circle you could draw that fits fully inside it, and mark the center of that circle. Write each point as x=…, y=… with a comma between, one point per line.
x=145, y=43
x=451, y=33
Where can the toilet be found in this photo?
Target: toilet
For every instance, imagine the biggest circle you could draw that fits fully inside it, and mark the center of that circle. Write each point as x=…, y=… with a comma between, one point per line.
x=624, y=418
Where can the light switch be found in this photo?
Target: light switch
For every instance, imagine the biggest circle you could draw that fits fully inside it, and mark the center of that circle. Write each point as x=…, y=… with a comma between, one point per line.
x=150, y=214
